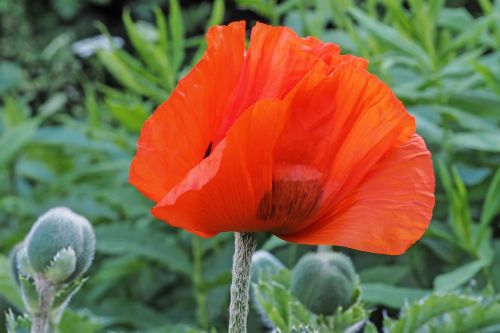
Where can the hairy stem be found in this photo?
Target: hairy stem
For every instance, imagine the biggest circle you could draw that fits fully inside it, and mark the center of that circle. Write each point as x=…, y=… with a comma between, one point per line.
x=244, y=246
x=41, y=320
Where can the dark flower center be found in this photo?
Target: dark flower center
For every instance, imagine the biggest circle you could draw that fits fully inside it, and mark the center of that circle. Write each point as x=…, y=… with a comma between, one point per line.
x=295, y=195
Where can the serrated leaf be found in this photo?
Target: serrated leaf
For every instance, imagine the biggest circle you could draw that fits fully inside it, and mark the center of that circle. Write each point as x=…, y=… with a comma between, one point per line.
x=19, y=324
x=29, y=294
x=419, y=314
x=275, y=302
x=61, y=266
x=63, y=297
x=480, y=318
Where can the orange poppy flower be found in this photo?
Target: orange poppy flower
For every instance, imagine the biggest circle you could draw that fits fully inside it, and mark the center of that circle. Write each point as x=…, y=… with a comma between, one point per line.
x=287, y=137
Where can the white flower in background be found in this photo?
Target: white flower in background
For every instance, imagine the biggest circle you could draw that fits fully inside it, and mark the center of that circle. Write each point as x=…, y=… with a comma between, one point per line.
x=89, y=46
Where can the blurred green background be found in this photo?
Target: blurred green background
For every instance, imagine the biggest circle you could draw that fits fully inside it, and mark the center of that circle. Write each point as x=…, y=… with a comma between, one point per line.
x=79, y=77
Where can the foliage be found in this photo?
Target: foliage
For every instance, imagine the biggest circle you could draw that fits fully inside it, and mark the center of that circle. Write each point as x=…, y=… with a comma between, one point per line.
x=448, y=313
x=283, y=311
x=68, y=128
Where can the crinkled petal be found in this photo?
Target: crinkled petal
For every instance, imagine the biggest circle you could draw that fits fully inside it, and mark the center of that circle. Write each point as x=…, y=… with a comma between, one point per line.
x=340, y=125
x=387, y=212
x=276, y=60
x=223, y=191
x=176, y=137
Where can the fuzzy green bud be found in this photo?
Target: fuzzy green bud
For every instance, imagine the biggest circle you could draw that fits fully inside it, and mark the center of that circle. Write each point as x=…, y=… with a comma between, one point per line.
x=60, y=246
x=264, y=262
x=23, y=263
x=322, y=282
x=14, y=269
x=264, y=265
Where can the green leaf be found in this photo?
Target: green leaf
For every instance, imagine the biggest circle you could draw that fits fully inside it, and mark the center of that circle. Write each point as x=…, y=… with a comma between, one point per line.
x=64, y=296
x=216, y=17
x=479, y=318
x=460, y=217
x=92, y=106
x=392, y=37
x=55, y=103
x=176, y=329
x=66, y=9
x=479, y=102
x=127, y=312
x=276, y=303
x=265, y=8
x=12, y=141
x=120, y=66
x=11, y=76
x=177, y=34
x=130, y=115
x=81, y=322
x=495, y=266
x=19, y=324
x=472, y=175
x=155, y=59
x=8, y=287
x=454, y=279
x=123, y=239
x=387, y=274
x=13, y=113
x=491, y=206
x=482, y=141
x=161, y=25
x=416, y=316
x=395, y=297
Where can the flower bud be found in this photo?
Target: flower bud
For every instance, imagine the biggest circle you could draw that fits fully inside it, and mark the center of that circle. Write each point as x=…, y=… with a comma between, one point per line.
x=60, y=246
x=23, y=264
x=322, y=282
x=264, y=262
x=14, y=270
x=264, y=265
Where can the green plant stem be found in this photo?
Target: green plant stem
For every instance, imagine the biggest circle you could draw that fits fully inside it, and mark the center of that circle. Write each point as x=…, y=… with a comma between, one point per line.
x=41, y=320
x=244, y=246
x=197, y=280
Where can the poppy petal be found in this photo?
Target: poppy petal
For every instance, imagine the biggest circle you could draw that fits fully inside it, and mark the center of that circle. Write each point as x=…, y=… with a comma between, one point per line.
x=276, y=60
x=177, y=136
x=223, y=191
x=387, y=212
x=368, y=121
x=342, y=125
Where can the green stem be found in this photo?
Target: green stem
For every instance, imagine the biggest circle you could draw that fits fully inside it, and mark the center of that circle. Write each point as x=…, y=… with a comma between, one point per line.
x=244, y=246
x=41, y=320
x=201, y=296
